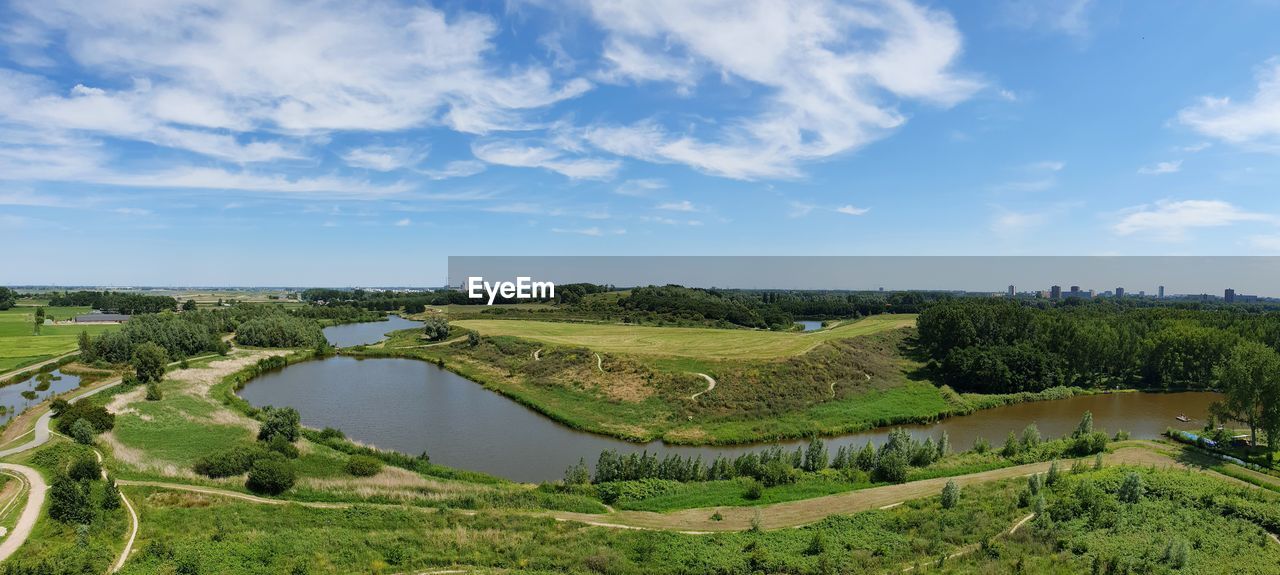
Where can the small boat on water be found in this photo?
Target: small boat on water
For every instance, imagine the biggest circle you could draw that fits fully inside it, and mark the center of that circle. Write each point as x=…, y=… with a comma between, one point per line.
x=1182, y=417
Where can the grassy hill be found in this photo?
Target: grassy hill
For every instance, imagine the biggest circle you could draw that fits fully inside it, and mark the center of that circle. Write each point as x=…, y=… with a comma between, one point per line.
x=700, y=343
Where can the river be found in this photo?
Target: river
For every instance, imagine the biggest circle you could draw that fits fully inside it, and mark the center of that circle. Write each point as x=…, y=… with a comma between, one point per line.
x=413, y=406
x=366, y=333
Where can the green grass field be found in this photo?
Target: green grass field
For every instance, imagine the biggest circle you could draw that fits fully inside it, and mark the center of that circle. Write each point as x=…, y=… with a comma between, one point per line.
x=700, y=343
x=19, y=348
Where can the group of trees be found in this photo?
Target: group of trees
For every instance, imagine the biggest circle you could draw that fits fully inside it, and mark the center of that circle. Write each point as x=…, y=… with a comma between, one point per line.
x=8, y=298
x=280, y=330
x=178, y=335
x=268, y=461
x=998, y=346
x=772, y=466
x=118, y=302
x=72, y=493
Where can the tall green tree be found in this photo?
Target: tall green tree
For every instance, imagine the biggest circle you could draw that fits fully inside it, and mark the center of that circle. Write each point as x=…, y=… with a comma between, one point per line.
x=8, y=298
x=148, y=361
x=1250, y=382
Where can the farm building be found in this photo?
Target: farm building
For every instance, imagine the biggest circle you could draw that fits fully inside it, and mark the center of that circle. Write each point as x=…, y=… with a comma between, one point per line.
x=98, y=317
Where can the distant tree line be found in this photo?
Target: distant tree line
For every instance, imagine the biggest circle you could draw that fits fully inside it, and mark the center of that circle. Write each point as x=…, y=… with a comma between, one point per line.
x=117, y=302
x=8, y=298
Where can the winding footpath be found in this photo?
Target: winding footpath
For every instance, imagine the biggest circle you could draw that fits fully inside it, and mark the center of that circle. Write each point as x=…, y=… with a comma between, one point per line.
x=711, y=384
x=39, y=489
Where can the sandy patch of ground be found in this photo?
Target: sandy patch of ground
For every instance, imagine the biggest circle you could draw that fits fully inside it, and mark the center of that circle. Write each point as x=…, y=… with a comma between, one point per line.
x=119, y=404
x=203, y=378
x=393, y=483
x=140, y=460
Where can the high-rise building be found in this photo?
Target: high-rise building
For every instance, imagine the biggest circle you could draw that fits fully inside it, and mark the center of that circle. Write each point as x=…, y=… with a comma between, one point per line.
x=1229, y=295
x=1075, y=291
x=1161, y=292
x=1011, y=290
x=1055, y=292
x=1119, y=292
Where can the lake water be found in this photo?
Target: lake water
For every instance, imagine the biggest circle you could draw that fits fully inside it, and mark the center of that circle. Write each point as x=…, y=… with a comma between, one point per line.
x=413, y=406
x=366, y=333
x=807, y=325
x=13, y=401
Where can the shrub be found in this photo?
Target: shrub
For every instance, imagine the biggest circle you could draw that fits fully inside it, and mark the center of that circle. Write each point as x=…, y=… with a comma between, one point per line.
x=892, y=467
x=1131, y=490
x=110, y=496
x=1054, y=475
x=950, y=494
x=97, y=416
x=473, y=339
x=577, y=474
x=283, y=421
x=58, y=406
x=82, y=432
x=363, y=465
x=227, y=463
x=754, y=490
x=271, y=475
x=280, y=445
x=435, y=328
x=153, y=392
x=84, y=468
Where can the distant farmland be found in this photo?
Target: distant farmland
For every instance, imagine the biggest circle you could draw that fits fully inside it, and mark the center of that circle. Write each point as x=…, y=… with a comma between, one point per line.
x=701, y=343
x=19, y=348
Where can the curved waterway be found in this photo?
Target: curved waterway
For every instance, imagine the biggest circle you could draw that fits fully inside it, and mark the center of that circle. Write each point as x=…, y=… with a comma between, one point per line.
x=20, y=396
x=413, y=406
x=366, y=333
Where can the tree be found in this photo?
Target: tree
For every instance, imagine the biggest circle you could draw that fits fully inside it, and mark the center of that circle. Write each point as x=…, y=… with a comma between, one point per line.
x=944, y=445
x=866, y=458
x=110, y=496
x=283, y=421
x=37, y=321
x=892, y=467
x=577, y=474
x=473, y=339
x=1012, y=446
x=153, y=392
x=815, y=456
x=85, y=344
x=84, y=468
x=8, y=298
x=1054, y=475
x=1085, y=427
x=82, y=432
x=1131, y=490
x=950, y=494
x=435, y=328
x=1030, y=436
x=69, y=501
x=1250, y=382
x=271, y=475
x=189, y=305
x=148, y=361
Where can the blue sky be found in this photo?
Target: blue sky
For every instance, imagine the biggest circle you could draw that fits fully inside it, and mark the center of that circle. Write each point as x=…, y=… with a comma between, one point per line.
x=353, y=143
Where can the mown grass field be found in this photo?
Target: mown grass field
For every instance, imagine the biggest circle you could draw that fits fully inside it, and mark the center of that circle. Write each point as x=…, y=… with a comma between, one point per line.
x=699, y=343
x=20, y=348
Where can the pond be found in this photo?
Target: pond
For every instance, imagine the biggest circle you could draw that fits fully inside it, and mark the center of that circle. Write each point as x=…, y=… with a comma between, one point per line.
x=807, y=325
x=413, y=406
x=366, y=333
x=38, y=388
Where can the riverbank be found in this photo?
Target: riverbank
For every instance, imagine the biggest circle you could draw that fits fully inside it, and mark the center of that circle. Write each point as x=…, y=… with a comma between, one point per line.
x=841, y=387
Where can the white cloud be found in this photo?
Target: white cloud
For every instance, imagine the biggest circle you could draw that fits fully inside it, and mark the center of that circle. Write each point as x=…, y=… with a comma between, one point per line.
x=1172, y=219
x=1269, y=243
x=382, y=158
x=1070, y=17
x=403, y=222
x=1193, y=148
x=680, y=206
x=1251, y=123
x=591, y=231
x=829, y=74
x=1007, y=95
x=852, y=211
x=1047, y=166
x=639, y=187
x=132, y=211
x=1161, y=168
x=1009, y=223
x=800, y=209
x=455, y=169
x=520, y=154
x=1037, y=185
x=29, y=198
x=670, y=221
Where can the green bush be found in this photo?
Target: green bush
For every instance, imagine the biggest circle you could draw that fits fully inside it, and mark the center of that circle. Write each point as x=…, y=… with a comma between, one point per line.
x=230, y=462
x=153, y=392
x=754, y=490
x=435, y=328
x=635, y=490
x=96, y=415
x=283, y=421
x=363, y=465
x=85, y=468
x=148, y=362
x=271, y=475
x=280, y=445
x=82, y=432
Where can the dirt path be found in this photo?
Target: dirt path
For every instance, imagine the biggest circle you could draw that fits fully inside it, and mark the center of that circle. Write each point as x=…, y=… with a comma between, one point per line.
x=711, y=384
x=599, y=363
x=30, y=513
x=536, y=353
x=806, y=511
x=970, y=548
x=133, y=519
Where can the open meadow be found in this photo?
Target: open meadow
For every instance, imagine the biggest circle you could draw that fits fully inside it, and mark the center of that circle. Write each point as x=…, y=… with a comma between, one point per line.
x=701, y=343
x=19, y=347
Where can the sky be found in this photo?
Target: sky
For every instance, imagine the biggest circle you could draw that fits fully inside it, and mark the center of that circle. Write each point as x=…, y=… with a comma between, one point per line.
x=354, y=143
